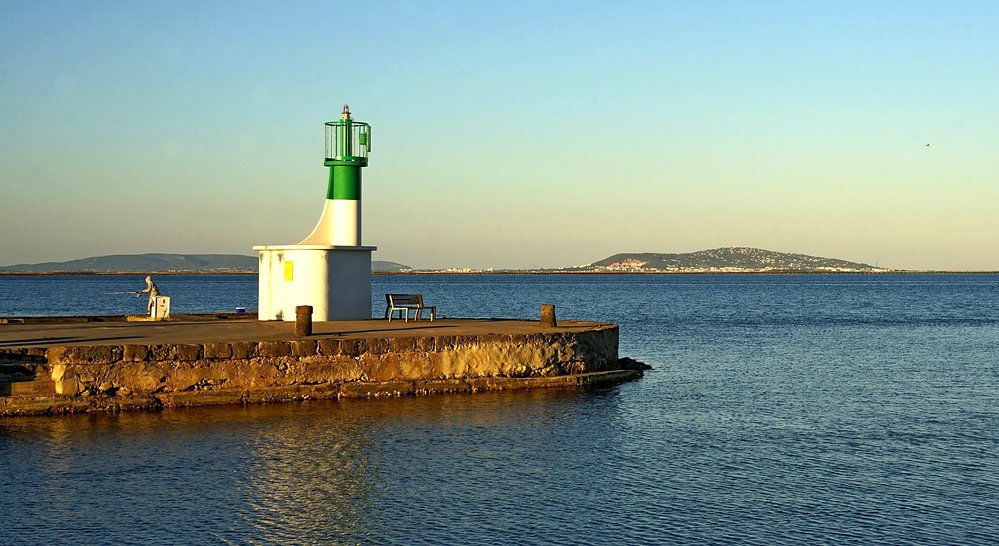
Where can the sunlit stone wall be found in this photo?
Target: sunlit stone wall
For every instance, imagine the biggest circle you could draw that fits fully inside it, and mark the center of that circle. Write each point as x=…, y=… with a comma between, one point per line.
x=80, y=378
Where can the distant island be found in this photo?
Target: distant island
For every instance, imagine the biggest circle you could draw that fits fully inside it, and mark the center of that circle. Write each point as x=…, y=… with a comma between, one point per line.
x=165, y=263
x=727, y=260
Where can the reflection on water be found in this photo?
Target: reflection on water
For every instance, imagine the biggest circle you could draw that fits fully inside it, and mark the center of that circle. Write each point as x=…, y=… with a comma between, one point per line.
x=308, y=475
x=293, y=473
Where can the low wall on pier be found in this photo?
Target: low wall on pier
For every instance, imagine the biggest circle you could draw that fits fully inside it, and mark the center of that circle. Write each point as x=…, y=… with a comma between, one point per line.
x=62, y=379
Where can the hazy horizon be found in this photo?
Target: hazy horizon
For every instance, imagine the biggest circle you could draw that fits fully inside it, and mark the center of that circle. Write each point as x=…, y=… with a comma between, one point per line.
x=435, y=268
x=513, y=135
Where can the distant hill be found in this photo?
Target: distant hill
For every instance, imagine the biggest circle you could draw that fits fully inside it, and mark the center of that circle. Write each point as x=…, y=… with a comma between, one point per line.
x=733, y=259
x=163, y=263
x=146, y=263
x=388, y=267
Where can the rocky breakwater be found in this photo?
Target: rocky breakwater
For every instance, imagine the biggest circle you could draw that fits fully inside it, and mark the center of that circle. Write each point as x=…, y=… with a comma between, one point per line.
x=65, y=379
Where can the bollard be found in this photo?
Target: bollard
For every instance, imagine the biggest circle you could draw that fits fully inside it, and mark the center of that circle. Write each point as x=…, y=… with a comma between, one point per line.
x=303, y=320
x=548, y=316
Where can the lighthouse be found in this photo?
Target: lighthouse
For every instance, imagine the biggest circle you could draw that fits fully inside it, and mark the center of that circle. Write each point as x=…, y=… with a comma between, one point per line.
x=330, y=269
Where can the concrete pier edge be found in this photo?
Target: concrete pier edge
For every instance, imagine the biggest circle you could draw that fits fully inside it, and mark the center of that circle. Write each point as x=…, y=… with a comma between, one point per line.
x=88, y=378
x=54, y=405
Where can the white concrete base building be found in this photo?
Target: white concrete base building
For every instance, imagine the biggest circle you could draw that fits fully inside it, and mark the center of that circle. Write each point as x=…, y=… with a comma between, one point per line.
x=334, y=280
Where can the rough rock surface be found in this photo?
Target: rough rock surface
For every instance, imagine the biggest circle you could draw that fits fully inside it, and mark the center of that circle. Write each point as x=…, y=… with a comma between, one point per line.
x=114, y=377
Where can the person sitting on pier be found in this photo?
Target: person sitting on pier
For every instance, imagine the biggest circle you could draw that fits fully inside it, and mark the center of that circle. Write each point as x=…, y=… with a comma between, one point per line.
x=152, y=291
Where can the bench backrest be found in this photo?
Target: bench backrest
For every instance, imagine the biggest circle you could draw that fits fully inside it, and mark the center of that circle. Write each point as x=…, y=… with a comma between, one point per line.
x=404, y=299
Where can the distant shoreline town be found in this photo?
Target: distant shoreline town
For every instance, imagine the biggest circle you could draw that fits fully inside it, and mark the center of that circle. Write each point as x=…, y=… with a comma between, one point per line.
x=730, y=260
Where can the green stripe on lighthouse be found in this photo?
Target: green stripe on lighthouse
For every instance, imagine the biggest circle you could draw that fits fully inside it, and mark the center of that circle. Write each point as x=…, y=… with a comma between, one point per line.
x=345, y=183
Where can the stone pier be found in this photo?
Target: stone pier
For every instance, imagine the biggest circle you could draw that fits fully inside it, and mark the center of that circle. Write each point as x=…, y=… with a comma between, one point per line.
x=67, y=367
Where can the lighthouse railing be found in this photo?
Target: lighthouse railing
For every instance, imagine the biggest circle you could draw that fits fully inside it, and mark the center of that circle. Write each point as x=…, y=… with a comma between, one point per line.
x=358, y=140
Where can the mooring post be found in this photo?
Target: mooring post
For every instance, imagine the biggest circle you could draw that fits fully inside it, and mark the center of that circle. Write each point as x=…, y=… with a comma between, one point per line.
x=548, y=316
x=303, y=320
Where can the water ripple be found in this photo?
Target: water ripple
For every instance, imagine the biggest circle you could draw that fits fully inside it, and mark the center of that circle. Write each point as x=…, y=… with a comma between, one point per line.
x=790, y=410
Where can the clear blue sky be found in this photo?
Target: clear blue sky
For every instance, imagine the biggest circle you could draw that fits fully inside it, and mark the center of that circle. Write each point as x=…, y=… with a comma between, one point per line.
x=506, y=134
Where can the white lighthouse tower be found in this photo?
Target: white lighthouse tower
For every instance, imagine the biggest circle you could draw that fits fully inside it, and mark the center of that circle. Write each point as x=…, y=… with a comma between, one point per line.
x=330, y=269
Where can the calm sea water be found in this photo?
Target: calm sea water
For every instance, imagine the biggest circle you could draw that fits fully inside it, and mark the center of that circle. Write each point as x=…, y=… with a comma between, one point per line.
x=791, y=409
